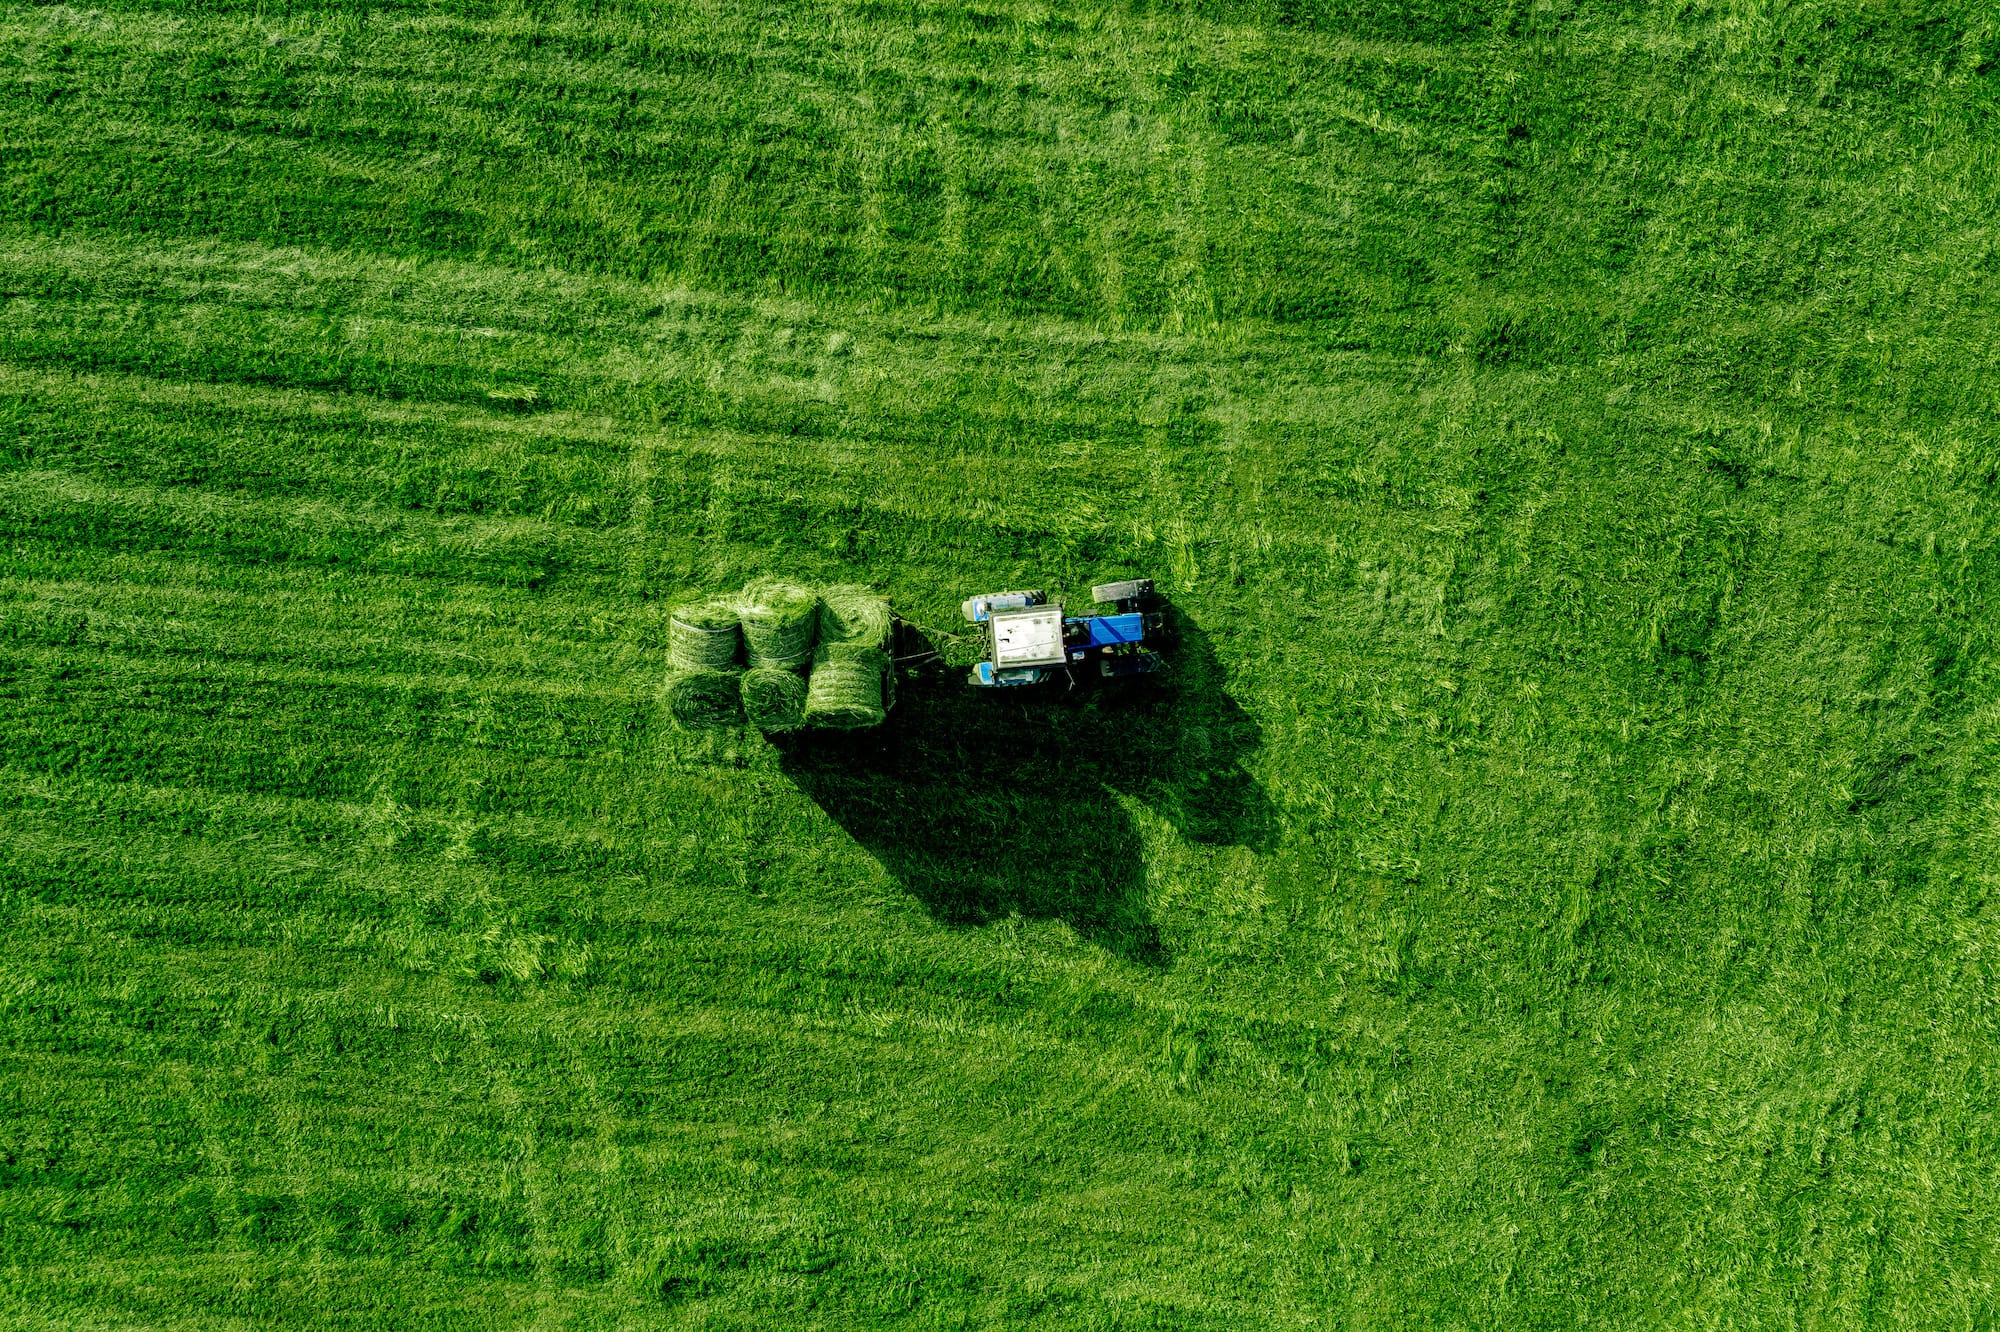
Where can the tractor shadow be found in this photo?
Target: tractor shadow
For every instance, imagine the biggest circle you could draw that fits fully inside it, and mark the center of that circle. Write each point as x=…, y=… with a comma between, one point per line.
x=986, y=804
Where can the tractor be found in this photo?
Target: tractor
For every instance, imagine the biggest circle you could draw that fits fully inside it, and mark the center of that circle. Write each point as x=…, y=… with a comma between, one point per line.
x=1029, y=641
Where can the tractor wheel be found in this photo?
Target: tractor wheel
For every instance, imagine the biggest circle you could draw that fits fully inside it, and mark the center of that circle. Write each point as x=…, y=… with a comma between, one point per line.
x=1137, y=587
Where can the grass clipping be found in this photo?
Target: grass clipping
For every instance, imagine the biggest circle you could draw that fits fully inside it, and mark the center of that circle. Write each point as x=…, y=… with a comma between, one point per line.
x=703, y=700
x=848, y=689
x=774, y=698
x=780, y=620
x=704, y=636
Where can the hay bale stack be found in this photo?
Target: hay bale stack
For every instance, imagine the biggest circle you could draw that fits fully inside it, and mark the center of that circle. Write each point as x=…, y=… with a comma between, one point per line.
x=703, y=700
x=780, y=620
x=704, y=636
x=849, y=686
x=774, y=698
x=855, y=615
x=842, y=633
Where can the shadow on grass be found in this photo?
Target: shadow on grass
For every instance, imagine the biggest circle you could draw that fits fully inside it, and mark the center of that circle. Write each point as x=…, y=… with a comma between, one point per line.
x=987, y=803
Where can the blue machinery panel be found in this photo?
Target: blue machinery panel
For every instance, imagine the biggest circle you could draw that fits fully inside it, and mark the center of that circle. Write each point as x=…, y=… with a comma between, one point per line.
x=1110, y=630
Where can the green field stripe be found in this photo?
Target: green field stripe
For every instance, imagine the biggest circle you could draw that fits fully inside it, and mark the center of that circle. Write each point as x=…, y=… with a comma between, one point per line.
x=687, y=1058
x=628, y=689
x=751, y=492
x=750, y=372
x=462, y=920
x=315, y=831
x=324, y=867
x=204, y=899
x=342, y=634
x=179, y=1292
x=509, y=322
x=682, y=1176
x=486, y=426
x=661, y=1052
x=77, y=515
x=80, y=513
x=689, y=163
x=654, y=148
x=469, y=801
x=333, y=629
x=175, y=897
x=186, y=607
x=991, y=410
x=480, y=303
x=306, y=736
x=1259, y=105
x=780, y=494
x=293, y=447
x=984, y=466
x=227, y=343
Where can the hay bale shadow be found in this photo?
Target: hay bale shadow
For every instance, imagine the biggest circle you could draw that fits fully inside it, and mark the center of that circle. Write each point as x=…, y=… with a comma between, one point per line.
x=986, y=804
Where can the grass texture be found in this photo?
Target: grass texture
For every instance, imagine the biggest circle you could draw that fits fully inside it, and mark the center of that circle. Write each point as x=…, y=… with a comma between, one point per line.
x=1554, y=885
x=699, y=699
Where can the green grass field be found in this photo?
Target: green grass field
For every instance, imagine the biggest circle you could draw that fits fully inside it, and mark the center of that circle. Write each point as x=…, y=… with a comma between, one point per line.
x=1558, y=886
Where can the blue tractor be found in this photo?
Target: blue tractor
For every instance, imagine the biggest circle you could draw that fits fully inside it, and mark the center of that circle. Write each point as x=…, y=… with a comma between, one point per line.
x=1030, y=641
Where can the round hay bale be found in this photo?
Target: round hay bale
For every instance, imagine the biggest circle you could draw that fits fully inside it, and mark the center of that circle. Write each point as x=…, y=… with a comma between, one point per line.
x=774, y=699
x=780, y=620
x=703, y=700
x=848, y=688
x=851, y=613
x=704, y=635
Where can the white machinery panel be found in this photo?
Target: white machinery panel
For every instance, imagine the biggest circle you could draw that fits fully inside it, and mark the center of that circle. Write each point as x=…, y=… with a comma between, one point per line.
x=1029, y=637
